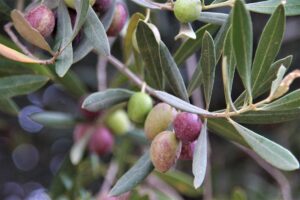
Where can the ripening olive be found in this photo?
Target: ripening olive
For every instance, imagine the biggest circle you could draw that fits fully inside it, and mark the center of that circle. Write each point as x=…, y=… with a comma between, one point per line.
x=118, y=122
x=187, y=151
x=164, y=151
x=119, y=20
x=101, y=141
x=187, y=10
x=159, y=119
x=139, y=105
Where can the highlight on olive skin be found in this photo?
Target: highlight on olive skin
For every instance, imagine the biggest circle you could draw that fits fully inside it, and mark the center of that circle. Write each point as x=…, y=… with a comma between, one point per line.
x=42, y=19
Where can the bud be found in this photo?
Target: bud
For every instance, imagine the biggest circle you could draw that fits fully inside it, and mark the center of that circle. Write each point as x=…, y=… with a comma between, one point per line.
x=42, y=19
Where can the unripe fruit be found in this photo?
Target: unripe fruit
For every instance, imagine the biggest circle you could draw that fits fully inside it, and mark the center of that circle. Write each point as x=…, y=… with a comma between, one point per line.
x=71, y=3
x=187, y=126
x=119, y=19
x=159, y=119
x=80, y=130
x=187, y=151
x=42, y=19
x=101, y=6
x=118, y=122
x=164, y=151
x=101, y=141
x=139, y=106
x=187, y=10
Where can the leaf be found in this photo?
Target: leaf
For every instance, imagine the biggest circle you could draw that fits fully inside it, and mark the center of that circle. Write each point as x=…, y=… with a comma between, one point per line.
x=129, y=33
x=15, y=55
x=292, y=7
x=189, y=47
x=181, y=181
x=109, y=15
x=273, y=153
x=54, y=119
x=268, y=46
x=208, y=63
x=186, y=32
x=289, y=101
x=82, y=7
x=149, y=49
x=105, y=99
x=268, y=116
x=225, y=129
x=181, y=105
x=172, y=73
x=277, y=81
x=20, y=84
x=146, y=4
x=77, y=150
x=82, y=49
x=4, y=9
x=213, y=17
x=242, y=39
x=8, y=106
x=27, y=32
x=95, y=32
x=196, y=80
x=136, y=174
x=220, y=37
x=65, y=59
x=200, y=157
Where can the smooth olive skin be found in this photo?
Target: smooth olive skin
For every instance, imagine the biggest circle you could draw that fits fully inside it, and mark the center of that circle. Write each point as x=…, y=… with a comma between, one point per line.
x=71, y=3
x=118, y=122
x=187, y=126
x=187, y=151
x=187, y=10
x=164, y=151
x=139, y=105
x=42, y=19
x=159, y=119
x=101, y=141
x=119, y=20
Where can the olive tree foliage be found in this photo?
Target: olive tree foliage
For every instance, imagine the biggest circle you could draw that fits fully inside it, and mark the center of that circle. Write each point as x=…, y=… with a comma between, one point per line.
x=226, y=39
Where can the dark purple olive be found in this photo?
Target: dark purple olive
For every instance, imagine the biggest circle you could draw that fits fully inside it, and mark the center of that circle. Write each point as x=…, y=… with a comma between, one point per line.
x=102, y=6
x=101, y=141
x=119, y=19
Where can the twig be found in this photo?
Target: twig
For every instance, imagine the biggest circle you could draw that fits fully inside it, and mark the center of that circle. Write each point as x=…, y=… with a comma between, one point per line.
x=109, y=179
x=278, y=176
x=101, y=72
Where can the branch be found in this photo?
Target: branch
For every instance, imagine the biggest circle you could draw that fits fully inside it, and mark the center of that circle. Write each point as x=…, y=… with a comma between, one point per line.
x=278, y=176
x=101, y=72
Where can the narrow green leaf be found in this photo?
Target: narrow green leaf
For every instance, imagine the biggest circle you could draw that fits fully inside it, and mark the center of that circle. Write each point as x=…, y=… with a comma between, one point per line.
x=146, y=4
x=109, y=15
x=105, y=99
x=82, y=7
x=189, y=47
x=196, y=80
x=136, y=174
x=186, y=31
x=200, y=157
x=27, y=32
x=268, y=116
x=172, y=73
x=84, y=48
x=20, y=84
x=242, y=39
x=8, y=106
x=95, y=32
x=208, y=63
x=225, y=129
x=54, y=119
x=292, y=7
x=129, y=34
x=180, y=104
x=213, y=18
x=268, y=46
x=277, y=81
x=181, y=181
x=149, y=49
x=65, y=59
x=273, y=153
x=289, y=101
x=266, y=83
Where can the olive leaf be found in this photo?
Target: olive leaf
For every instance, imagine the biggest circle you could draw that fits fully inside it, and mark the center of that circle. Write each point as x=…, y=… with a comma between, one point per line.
x=109, y=15
x=84, y=48
x=276, y=83
x=146, y=4
x=4, y=9
x=289, y=101
x=54, y=119
x=135, y=175
x=271, y=152
x=213, y=17
x=82, y=7
x=186, y=32
x=8, y=106
x=242, y=40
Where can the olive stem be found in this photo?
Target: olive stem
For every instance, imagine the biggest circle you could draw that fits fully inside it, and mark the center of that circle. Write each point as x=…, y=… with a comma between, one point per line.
x=218, y=5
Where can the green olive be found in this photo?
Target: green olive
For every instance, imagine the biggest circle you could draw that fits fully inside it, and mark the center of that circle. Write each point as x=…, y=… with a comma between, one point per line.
x=187, y=10
x=118, y=122
x=71, y=3
x=139, y=105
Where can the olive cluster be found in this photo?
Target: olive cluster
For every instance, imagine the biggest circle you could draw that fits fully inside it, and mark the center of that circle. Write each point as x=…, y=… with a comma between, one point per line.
x=42, y=18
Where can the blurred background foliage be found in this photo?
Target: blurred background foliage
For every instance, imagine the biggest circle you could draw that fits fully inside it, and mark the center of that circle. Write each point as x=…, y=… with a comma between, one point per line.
x=29, y=162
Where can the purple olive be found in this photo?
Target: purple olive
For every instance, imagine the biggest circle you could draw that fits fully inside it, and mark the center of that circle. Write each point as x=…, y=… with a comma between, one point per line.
x=102, y=6
x=187, y=151
x=119, y=20
x=42, y=19
x=101, y=141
